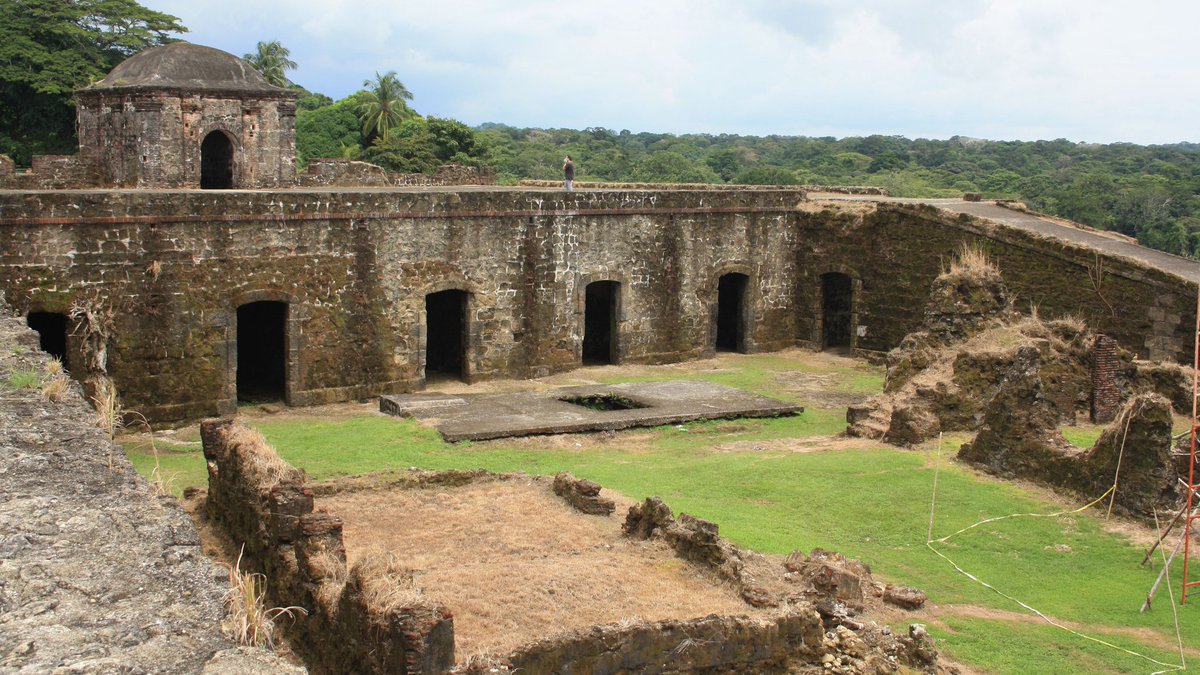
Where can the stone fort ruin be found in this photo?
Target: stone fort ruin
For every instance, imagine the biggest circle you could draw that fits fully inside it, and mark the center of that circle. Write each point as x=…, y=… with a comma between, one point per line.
x=303, y=288
x=181, y=254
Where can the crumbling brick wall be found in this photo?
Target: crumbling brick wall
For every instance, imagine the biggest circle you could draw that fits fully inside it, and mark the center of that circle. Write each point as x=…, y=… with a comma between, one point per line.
x=49, y=172
x=261, y=501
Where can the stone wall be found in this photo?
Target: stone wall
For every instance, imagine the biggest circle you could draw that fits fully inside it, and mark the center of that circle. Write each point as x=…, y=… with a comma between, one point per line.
x=349, y=173
x=152, y=138
x=354, y=268
x=98, y=572
x=262, y=503
x=633, y=185
x=713, y=644
x=49, y=172
x=342, y=172
x=893, y=252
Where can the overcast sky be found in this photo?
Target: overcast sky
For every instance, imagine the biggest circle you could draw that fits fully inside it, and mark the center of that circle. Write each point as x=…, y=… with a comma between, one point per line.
x=1085, y=70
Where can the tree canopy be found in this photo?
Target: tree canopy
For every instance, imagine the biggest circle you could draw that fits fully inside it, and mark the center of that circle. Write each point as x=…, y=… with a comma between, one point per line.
x=49, y=48
x=384, y=105
x=273, y=60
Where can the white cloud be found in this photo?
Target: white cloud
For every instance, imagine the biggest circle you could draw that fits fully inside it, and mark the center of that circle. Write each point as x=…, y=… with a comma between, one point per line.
x=1099, y=70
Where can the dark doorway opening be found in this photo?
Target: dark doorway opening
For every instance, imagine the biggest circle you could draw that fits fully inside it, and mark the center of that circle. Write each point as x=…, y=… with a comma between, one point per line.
x=52, y=333
x=262, y=351
x=600, y=322
x=216, y=162
x=837, y=302
x=445, y=334
x=731, y=312
x=603, y=402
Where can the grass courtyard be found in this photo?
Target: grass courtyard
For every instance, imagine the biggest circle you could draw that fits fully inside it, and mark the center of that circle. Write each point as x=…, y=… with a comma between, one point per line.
x=778, y=485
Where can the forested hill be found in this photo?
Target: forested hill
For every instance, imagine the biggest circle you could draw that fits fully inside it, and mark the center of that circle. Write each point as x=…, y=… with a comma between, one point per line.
x=1151, y=192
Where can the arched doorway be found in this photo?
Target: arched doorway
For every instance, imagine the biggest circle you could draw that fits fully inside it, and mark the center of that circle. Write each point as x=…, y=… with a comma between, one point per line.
x=262, y=351
x=216, y=162
x=600, y=322
x=731, y=312
x=52, y=333
x=446, y=334
x=837, y=310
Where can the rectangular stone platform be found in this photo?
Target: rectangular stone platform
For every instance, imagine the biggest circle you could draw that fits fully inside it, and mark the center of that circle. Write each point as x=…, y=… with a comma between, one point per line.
x=642, y=404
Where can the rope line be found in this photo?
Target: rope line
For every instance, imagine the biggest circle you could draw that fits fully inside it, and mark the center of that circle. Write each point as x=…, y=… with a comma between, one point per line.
x=1174, y=610
x=929, y=543
x=1026, y=515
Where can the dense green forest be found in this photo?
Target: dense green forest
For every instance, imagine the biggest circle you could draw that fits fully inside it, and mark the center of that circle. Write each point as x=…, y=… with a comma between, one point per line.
x=48, y=48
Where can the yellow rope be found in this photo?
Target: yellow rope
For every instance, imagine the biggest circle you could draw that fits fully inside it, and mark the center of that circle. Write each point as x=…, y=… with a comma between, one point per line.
x=1027, y=515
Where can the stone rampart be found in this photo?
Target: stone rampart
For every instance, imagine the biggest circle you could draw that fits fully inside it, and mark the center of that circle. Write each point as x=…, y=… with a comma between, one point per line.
x=354, y=269
x=352, y=625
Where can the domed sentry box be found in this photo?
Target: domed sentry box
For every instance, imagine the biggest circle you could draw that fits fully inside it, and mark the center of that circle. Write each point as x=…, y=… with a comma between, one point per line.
x=187, y=116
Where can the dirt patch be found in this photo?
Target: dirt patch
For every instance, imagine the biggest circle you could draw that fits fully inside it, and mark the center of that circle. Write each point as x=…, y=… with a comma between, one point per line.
x=515, y=563
x=820, y=390
x=800, y=445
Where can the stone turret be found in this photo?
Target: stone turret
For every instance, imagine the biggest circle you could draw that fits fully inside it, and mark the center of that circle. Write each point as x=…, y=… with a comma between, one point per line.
x=183, y=115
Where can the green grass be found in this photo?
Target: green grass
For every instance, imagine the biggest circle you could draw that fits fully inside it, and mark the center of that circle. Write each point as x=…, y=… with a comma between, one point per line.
x=869, y=503
x=1083, y=435
x=1043, y=651
x=24, y=379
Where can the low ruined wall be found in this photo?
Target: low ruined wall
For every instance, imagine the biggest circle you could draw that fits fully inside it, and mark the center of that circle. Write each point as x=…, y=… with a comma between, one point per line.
x=711, y=644
x=848, y=189
x=630, y=185
x=342, y=173
x=49, y=172
x=349, y=173
x=98, y=572
x=261, y=502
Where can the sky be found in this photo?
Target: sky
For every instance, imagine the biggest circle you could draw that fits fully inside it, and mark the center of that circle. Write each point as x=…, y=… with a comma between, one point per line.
x=1097, y=71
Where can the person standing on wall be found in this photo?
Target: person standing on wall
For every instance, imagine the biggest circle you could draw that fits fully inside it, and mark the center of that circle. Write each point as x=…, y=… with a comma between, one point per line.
x=569, y=173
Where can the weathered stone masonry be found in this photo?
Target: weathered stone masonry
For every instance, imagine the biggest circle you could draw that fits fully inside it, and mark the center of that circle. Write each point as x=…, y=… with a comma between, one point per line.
x=355, y=266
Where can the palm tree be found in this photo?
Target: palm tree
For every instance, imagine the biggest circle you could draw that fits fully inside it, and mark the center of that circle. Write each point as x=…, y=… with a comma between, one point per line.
x=383, y=104
x=271, y=59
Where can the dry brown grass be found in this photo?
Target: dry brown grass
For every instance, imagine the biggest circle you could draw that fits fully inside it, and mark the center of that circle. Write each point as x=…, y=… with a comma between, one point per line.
x=970, y=260
x=259, y=459
x=110, y=415
x=249, y=621
x=387, y=585
x=55, y=384
x=515, y=563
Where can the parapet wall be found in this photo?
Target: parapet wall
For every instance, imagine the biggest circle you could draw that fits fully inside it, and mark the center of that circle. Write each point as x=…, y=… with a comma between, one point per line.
x=349, y=173
x=354, y=268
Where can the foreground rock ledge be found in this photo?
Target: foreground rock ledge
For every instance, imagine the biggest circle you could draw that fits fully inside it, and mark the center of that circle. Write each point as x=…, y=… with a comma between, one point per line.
x=96, y=573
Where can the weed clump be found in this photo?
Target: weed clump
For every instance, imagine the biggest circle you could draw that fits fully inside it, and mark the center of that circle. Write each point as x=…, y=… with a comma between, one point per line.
x=249, y=621
x=268, y=469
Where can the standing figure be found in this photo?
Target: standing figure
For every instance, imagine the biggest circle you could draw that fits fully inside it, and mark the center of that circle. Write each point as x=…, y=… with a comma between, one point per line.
x=569, y=173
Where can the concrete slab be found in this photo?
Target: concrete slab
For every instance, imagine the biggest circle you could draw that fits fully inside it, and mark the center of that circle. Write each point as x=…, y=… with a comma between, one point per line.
x=407, y=405
x=531, y=413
